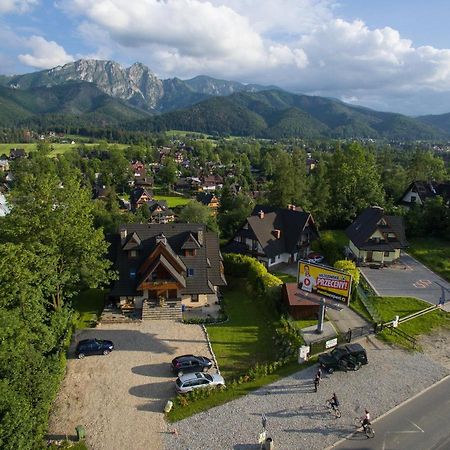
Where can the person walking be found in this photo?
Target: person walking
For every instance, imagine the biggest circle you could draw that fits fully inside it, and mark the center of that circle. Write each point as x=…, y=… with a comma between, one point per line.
x=316, y=382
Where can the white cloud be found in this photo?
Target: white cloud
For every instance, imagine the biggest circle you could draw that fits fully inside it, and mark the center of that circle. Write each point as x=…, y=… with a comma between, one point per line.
x=300, y=45
x=17, y=6
x=45, y=54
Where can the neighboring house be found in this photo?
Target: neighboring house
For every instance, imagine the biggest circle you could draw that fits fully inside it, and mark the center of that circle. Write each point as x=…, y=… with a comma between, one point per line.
x=209, y=200
x=100, y=191
x=275, y=235
x=162, y=267
x=211, y=183
x=376, y=237
x=4, y=165
x=16, y=153
x=160, y=212
x=419, y=191
x=139, y=196
x=4, y=208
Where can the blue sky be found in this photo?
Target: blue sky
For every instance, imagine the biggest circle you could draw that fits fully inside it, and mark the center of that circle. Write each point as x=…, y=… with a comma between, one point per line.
x=387, y=55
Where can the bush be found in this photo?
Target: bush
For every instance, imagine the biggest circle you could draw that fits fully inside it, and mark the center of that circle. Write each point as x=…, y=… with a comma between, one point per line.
x=260, y=281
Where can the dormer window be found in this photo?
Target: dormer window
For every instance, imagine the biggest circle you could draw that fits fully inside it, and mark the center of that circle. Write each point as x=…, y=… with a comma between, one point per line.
x=132, y=254
x=190, y=272
x=190, y=252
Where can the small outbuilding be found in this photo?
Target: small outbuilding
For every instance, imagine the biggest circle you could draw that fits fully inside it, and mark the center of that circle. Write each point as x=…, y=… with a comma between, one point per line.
x=301, y=304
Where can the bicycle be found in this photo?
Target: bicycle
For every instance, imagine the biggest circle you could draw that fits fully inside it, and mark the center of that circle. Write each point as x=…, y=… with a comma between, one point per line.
x=333, y=408
x=367, y=429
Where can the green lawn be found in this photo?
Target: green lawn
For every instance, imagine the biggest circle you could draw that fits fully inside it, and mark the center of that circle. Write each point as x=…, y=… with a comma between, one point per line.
x=358, y=306
x=173, y=201
x=57, y=148
x=89, y=304
x=284, y=277
x=389, y=307
x=434, y=253
x=247, y=337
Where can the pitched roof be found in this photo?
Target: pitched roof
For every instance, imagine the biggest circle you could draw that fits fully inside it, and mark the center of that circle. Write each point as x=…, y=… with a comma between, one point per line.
x=206, y=264
x=371, y=220
x=289, y=222
x=427, y=189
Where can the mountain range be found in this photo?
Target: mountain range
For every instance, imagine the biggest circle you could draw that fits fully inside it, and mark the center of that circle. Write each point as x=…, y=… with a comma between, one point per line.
x=104, y=93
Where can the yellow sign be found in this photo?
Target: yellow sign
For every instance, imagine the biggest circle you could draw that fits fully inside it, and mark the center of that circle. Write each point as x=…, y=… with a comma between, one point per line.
x=324, y=280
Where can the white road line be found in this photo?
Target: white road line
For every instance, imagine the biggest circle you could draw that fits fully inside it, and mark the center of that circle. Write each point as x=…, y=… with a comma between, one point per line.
x=401, y=432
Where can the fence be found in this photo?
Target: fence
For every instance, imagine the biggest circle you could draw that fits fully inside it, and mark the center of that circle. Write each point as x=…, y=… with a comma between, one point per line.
x=393, y=330
x=367, y=302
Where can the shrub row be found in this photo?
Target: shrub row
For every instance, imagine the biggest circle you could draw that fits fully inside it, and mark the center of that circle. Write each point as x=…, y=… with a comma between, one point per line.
x=256, y=372
x=259, y=280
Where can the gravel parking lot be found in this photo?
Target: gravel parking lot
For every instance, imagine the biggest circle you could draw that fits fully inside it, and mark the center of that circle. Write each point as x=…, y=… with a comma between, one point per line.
x=297, y=417
x=119, y=398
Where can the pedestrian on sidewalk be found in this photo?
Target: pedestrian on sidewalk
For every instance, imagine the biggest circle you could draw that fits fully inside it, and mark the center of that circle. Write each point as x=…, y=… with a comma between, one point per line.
x=316, y=382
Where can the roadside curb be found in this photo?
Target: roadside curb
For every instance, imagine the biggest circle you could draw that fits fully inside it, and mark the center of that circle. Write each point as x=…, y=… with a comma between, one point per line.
x=390, y=411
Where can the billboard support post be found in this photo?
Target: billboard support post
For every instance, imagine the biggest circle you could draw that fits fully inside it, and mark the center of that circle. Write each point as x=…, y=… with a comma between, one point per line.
x=321, y=316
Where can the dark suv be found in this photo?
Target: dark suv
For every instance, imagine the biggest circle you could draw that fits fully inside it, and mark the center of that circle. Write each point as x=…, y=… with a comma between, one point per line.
x=190, y=363
x=93, y=347
x=344, y=357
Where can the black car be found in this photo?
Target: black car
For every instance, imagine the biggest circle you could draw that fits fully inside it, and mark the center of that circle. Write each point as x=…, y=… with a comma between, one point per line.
x=190, y=363
x=344, y=357
x=93, y=347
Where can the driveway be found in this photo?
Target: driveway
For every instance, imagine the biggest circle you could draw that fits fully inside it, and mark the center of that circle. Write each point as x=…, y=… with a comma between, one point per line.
x=297, y=417
x=407, y=278
x=119, y=398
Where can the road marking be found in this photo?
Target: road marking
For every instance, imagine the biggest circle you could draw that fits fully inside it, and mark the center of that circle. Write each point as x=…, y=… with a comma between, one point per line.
x=422, y=284
x=402, y=432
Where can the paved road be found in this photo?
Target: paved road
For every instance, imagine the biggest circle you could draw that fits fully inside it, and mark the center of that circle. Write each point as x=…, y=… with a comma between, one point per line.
x=408, y=278
x=419, y=424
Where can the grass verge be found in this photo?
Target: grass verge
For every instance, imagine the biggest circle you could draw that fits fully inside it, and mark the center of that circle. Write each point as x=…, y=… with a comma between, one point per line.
x=389, y=307
x=226, y=395
x=89, y=305
x=434, y=253
x=358, y=306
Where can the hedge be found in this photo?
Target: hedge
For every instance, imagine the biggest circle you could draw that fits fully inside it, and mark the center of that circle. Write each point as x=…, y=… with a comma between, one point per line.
x=260, y=281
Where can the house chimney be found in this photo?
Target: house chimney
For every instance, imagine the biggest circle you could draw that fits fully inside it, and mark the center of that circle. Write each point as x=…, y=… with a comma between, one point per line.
x=161, y=238
x=276, y=233
x=200, y=237
x=123, y=234
x=291, y=207
x=261, y=214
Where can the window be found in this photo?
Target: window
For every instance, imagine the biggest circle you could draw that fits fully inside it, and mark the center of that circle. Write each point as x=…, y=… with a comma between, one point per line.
x=254, y=245
x=133, y=253
x=386, y=253
x=132, y=273
x=194, y=298
x=413, y=199
x=190, y=272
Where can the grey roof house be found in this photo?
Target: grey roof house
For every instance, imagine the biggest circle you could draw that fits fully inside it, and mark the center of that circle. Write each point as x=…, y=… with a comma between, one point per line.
x=164, y=266
x=419, y=191
x=275, y=235
x=376, y=238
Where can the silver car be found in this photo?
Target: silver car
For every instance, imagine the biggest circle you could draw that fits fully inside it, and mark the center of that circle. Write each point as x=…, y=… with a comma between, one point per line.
x=191, y=381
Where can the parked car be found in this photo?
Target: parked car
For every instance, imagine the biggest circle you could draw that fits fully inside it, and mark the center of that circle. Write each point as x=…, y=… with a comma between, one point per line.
x=315, y=258
x=344, y=357
x=93, y=347
x=189, y=382
x=190, y=363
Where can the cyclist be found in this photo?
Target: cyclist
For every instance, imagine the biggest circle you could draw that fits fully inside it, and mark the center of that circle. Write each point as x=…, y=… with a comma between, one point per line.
x=366, y=419
x=334, y=402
